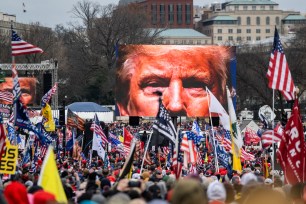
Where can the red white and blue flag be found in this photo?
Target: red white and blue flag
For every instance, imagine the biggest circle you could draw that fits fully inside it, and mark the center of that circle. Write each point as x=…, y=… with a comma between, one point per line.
x=97, y=129
x=21, y=47
x=279, y=75
x=6, y=96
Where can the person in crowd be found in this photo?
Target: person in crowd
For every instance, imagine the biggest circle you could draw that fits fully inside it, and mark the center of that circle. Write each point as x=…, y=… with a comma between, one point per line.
x=188, y=191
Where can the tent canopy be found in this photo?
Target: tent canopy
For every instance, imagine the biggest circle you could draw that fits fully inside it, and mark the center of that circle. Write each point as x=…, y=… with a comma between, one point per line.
x=87, y=107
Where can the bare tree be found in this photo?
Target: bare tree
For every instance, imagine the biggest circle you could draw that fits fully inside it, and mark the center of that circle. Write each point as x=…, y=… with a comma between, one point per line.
x=252, y=66
x=91, y=47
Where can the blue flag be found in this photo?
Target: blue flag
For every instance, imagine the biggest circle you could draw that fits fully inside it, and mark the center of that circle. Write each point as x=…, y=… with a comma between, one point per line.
x=223, y=156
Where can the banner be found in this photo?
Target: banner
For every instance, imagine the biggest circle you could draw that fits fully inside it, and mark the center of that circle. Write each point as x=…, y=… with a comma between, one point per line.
x=251, y=136
x=291, y=152
x=8, y=161
x=5, y=110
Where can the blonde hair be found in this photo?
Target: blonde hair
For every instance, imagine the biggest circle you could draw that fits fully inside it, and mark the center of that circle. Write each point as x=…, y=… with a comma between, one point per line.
x=217, y=56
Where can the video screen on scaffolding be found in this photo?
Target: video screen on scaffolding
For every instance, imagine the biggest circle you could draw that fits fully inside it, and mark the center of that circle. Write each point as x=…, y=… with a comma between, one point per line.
x=181, y=74
x=27, y=86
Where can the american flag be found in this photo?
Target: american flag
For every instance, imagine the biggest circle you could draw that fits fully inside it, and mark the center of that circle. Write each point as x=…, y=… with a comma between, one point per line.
x=247, y=156
x=2, y=140
x=128, y=137
x=97, y=129
x=6, y=96
x=43, y=150
x=224, y=139
x=177, y=157
x=196, y=129
x=21, y=47
x=163, y=123
x=192, y=147
x=148, y=159
x=279, y=75
x=269, y=137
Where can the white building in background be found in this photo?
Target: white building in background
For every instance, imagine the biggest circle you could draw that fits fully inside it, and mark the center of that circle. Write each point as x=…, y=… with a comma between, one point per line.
x=247, y=21
x=184, y=36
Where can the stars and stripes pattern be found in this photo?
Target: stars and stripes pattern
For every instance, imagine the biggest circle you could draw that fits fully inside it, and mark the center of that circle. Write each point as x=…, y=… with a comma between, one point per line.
x=224, y=140
x=196, y=130
x=6, y=96
x=163, y=123
x=43, y=150
x=113, y=139
x=148, y=159
x=270, y=137
x=247, y=156
x=278, y=74
x=73, y=120
x=21, y=47
x=97, y=129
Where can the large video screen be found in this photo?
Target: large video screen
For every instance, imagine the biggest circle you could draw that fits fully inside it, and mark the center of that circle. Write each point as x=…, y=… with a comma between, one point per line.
x=180, y=73
x=28, y=89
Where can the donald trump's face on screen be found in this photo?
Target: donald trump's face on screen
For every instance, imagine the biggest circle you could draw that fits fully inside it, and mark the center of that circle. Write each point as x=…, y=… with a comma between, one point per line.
x=180, y=73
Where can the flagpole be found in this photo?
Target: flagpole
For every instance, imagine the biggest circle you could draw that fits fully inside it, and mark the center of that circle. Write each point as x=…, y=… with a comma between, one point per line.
x=213, y=136
x=145, y=153
x=273, y=151
x=15, y=105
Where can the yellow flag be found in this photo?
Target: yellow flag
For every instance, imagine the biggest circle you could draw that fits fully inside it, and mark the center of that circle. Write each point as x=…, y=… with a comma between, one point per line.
x=121, y=138
x=206, y=158
x=49, y=177
x=47, y=113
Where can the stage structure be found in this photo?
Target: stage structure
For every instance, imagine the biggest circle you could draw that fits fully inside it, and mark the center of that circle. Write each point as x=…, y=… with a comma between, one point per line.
x=44, y=66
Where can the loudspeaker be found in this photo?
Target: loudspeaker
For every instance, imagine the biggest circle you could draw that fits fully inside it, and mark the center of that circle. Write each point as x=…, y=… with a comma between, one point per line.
x=215, y=121
x=47, y=81
x=133, y=120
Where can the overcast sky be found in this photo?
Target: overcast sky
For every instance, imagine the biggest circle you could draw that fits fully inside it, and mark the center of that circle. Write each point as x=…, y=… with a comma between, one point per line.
x=52, y=12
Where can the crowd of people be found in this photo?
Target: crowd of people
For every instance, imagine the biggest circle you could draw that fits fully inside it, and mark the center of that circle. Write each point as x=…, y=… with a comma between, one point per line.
x=97, y=182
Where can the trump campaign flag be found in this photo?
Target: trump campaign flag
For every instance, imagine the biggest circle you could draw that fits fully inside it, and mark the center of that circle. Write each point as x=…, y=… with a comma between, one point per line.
x=278, y=74
x=250, y=136
x=291, y=152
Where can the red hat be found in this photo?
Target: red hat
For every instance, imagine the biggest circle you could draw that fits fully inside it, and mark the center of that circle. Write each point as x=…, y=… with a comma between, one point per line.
x=116, y=173
x=39, y=162
x=43, y=197
x=111, y=179
x=15, y=192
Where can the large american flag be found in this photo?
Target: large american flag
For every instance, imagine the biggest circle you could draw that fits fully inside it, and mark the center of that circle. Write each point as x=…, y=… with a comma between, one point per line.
x=97, y=129
x=21, y=47
x=163, y=123
x=279, y=75
x=6, y=96
x=270, y=137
